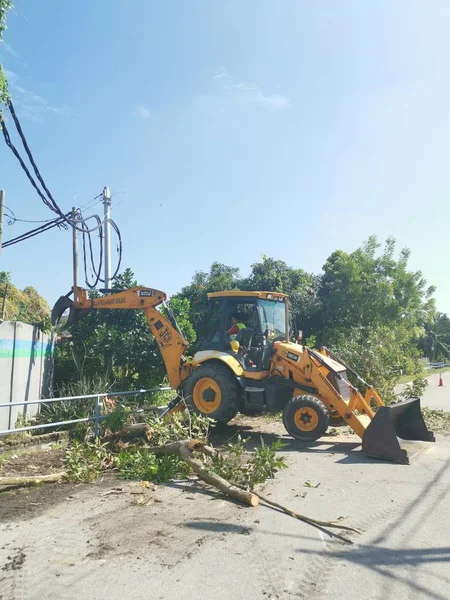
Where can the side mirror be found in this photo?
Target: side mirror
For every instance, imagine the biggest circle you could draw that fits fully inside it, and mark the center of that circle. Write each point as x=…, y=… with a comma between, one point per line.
x=299, y=336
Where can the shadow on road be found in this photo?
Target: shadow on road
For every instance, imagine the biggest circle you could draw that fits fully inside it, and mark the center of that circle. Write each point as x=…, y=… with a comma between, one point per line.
x=326, y=445
x=382, y=559
x=218, y=526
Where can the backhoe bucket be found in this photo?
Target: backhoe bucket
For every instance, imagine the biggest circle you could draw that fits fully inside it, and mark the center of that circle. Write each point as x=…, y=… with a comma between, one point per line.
x=390, y=426
x=60, y=307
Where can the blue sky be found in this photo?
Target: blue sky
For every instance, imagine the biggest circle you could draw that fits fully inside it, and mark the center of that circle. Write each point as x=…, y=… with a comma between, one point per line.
x=234, y=129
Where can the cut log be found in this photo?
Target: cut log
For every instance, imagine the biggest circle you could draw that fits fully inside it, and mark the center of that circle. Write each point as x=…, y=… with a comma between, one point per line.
x=34, y=480
x=184, y=450
x=129, y=430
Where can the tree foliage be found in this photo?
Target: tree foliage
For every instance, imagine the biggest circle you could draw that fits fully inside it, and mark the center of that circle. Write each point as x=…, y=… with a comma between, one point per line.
x=22, y=305
x=276, y=276
x=365, y=289
x=367, y=306
x=117, y=343
x=435, y=342
x=5, y=5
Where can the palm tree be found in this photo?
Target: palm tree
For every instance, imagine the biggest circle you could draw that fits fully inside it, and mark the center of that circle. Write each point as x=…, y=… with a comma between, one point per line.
x=436, y=342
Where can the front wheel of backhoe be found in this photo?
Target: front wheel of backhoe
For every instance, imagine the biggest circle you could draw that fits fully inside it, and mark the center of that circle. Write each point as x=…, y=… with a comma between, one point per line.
x=212, y=391
x=306, y=418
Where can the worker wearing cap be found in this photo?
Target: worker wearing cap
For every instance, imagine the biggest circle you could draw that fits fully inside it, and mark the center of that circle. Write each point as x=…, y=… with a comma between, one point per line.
x=236, y=319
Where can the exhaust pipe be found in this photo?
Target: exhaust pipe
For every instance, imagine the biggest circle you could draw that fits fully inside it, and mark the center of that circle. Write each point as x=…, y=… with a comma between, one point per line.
x=392, y=424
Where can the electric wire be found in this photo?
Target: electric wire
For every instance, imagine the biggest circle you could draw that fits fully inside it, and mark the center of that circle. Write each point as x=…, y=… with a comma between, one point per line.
x=91, y=202
x=13, y=149
x=50, y=202
x=76, y=222
x=34, y=232
x=14, y=219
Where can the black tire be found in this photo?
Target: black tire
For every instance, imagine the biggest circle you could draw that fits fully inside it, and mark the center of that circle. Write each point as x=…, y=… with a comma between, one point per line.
x=225, y=381
x=309, y=411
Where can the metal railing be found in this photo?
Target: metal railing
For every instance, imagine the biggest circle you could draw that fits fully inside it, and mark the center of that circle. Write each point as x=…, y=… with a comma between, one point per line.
x=96, y=418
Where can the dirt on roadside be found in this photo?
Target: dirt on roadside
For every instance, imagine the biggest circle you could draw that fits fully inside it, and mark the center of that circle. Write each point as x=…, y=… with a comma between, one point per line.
x=32, y=462
x=28, y=502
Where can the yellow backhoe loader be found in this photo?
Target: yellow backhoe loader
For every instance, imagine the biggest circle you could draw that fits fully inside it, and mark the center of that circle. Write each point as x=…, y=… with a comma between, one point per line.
x=255, y=367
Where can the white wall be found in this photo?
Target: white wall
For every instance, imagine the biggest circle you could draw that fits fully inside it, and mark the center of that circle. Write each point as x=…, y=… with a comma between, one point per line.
x=26, y=356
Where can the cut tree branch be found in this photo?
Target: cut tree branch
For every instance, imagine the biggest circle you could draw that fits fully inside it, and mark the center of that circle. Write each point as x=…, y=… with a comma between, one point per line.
x=35, y=480
x=128, y=430
x=184, y=450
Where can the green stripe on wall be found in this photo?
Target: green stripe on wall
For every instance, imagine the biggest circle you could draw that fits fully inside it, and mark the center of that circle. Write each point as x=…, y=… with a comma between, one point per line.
x=6, y=353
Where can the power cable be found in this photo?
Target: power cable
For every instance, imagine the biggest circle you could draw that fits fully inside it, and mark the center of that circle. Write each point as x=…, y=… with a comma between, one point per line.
x=34, y=232
x=15, y=219
x=119, y=248
x=92, y=202
x=63, y=219
x=96, y=271
x=23, y=165
x=50, y=202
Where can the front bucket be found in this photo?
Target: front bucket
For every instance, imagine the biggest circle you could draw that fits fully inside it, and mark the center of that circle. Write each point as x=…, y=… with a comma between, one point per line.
x=403, y=420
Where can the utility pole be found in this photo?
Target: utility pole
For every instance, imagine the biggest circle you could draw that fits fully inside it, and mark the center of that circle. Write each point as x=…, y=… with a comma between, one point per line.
x=2, y=206
x=107, y=250
x=75, y=247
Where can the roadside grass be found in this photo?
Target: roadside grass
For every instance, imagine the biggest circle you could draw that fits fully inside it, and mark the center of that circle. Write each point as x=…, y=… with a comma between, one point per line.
x=409, y=378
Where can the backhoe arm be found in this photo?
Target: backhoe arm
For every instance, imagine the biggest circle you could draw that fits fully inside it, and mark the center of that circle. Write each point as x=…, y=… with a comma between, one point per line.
x=169, y=338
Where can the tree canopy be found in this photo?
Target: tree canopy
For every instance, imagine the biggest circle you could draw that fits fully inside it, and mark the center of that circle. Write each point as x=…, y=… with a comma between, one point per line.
x=5, y=5
x=367, y=306
x=117, y=343
x=22, y=305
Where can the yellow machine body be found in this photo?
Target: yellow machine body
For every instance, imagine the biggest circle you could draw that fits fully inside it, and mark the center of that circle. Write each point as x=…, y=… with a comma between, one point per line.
x=260, y=370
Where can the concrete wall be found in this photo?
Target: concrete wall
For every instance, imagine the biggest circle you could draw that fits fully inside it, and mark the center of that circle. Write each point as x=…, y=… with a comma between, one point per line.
x=26, y=357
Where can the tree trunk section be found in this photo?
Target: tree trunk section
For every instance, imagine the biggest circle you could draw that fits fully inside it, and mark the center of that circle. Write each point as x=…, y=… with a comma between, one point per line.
x=184, y=450
x=26, y=480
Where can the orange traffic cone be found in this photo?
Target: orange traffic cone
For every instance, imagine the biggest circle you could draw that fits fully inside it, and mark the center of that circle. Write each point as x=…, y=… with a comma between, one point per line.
x=441, y=383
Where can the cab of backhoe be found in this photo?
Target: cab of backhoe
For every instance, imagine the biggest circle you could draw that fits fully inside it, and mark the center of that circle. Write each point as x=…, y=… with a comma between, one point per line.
x=246, y=325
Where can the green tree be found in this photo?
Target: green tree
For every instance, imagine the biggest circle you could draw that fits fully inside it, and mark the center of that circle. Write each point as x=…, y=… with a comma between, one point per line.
x=363, y=289
x=373, y=311
x=24, y=305
x=436, y=340
x=220, y=278
x=117, y=343
x=276, y=276
x=5, y=5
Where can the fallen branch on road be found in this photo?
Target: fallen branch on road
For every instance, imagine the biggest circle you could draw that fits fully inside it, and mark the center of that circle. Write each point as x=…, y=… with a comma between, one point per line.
x=323, y=525
x=131, y=429
x=34, y=480
x=185, y=448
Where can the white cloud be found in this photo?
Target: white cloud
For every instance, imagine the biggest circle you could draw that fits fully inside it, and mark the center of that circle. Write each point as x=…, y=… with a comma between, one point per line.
x=250, y=93
x=29, y=105
x=141, y=111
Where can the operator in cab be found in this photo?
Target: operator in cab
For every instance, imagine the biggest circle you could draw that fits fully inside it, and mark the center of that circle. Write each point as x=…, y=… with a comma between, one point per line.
x=236, y=319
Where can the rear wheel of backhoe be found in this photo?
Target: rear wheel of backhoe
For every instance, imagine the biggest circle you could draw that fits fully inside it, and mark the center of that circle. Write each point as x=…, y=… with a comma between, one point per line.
x=306, y=418
x=212, y=391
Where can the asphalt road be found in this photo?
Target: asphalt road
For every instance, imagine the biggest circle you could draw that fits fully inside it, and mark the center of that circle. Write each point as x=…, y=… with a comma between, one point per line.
x=435, y=396
x=181, y=542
